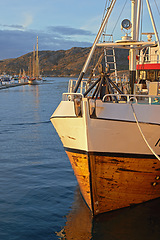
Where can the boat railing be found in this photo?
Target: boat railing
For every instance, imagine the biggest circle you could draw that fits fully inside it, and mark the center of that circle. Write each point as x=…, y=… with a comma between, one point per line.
x=120, y=79
x=130, y=98
x=117, y=98
x=82, y=88
x=71, y=96
x=149, y=58
x=85, y=84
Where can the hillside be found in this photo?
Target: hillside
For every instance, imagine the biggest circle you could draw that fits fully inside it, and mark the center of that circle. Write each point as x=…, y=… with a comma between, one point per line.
x=61, y=63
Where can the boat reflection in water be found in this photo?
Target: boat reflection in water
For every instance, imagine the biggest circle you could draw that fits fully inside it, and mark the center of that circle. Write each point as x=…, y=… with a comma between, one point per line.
x=137, y=222
x=79, y=221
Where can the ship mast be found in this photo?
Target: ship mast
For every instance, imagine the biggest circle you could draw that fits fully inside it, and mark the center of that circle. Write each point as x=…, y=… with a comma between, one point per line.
x=30, y=69
x=104, y=22
x=135, y=19
x=132, y=52
x=132, y=42
x=34, y=61
x=37, y=60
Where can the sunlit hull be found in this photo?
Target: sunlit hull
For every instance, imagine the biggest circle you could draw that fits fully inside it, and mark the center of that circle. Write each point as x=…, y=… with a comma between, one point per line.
x=112, y=162
x=33, y=82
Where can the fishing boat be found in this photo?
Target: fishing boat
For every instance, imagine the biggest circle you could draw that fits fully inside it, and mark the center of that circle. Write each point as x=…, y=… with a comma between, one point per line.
x=111, y=136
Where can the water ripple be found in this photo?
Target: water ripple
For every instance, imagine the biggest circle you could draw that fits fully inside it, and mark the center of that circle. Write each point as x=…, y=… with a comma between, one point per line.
x=29, y=123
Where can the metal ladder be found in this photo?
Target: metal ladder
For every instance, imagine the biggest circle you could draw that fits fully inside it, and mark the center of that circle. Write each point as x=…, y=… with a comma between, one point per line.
x=110, y=57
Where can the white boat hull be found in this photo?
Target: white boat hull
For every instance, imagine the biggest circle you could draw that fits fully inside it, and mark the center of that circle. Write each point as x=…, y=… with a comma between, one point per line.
x=113, y=131
x=33, y=82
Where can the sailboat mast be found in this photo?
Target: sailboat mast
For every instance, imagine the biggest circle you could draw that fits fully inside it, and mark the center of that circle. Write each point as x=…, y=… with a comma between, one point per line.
x=30, y=69
x=20, y=73
x=34, y=61
x=37, y=60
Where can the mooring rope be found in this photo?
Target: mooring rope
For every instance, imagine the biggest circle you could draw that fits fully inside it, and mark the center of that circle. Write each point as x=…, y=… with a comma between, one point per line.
x=134, y=114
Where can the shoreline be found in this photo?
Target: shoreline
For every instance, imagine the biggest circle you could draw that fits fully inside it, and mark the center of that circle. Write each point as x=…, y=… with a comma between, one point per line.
x=12, y=85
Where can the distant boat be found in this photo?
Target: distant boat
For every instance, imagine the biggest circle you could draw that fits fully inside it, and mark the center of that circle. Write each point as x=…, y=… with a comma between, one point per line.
x=22, y=77
x=33, y=81
x=34, y=76
x=112, y=136
x=5, y=79
x=15, y=78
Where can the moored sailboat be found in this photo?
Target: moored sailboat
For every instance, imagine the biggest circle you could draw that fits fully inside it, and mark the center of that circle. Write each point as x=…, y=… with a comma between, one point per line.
x=112, y=138
x=34, y=75
x=22, y=77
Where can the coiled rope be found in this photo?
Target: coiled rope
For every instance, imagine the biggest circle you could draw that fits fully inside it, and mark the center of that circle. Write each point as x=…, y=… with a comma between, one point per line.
x=134, y=114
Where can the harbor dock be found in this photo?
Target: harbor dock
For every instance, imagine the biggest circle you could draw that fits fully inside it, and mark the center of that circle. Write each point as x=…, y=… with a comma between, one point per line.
x=12, y=85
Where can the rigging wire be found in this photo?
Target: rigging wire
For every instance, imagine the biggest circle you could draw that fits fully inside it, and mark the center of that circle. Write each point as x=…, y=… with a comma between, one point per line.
x=105, y=8
x=118, y=16
x=107, y=4
x=157, y=7
x=144, y=138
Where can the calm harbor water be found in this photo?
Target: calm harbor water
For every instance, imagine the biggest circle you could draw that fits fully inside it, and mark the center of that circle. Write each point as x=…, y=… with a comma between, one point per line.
x=39, y=196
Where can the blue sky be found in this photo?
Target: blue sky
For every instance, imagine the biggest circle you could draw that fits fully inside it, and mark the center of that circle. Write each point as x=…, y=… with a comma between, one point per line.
x=60, y=24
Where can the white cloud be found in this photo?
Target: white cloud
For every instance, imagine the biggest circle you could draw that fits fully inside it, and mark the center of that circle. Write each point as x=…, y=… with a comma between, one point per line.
x=28, y=20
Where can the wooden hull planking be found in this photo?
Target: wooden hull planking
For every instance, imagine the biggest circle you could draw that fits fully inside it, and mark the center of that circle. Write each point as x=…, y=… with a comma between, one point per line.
x=80, y=166
x=110, y=183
